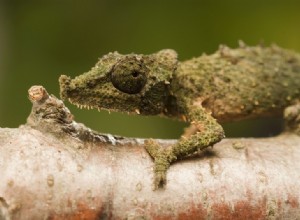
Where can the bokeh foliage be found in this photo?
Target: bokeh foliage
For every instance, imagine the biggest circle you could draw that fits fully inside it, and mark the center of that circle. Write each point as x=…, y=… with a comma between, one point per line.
x=39, y=40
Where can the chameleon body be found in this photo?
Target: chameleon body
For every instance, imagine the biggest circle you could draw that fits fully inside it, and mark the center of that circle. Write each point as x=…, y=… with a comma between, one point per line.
x=229, y=85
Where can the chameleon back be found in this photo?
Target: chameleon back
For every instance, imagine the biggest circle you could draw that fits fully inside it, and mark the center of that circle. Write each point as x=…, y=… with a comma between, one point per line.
x=241, y=83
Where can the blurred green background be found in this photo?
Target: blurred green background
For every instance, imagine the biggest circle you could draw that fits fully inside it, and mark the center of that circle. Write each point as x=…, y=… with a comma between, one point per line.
x=40, y=40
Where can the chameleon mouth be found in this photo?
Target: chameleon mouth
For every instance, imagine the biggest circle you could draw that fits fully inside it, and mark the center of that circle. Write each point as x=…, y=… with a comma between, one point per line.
x=89, y=107
x=66, y=92
x=83, y=106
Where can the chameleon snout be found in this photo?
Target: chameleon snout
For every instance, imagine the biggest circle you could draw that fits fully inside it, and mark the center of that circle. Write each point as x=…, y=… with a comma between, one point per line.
x=64, y=84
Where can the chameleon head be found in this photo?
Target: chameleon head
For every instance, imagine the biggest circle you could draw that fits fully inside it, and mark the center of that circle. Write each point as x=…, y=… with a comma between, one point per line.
x=131, y=83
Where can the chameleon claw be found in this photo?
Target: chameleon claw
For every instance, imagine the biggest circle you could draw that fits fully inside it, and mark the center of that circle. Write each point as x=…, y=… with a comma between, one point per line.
x=162, y=160
x=159, y=180
x=161, y=165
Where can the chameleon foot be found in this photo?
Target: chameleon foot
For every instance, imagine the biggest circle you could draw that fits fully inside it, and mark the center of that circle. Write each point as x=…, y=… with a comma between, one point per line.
x=162, y=160
x=160, y=172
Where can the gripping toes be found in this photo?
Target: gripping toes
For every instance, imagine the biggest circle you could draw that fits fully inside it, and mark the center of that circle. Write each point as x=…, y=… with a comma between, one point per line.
x=162, y=159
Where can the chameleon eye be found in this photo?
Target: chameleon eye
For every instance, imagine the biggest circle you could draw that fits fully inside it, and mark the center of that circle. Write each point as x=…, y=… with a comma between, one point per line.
x=129, y=75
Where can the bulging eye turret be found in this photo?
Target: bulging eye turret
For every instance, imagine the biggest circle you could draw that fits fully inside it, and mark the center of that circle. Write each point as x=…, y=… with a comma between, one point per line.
x=129, y=75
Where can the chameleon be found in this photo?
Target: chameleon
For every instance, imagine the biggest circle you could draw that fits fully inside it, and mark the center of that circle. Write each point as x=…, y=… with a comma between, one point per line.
x=228, y=85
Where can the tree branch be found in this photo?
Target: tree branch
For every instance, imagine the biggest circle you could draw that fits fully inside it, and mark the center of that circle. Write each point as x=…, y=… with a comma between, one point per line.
x=55, y=168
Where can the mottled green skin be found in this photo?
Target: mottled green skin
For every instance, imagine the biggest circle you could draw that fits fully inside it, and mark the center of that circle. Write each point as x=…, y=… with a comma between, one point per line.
x=241, y=83
x=228, y=85
x=95, y=88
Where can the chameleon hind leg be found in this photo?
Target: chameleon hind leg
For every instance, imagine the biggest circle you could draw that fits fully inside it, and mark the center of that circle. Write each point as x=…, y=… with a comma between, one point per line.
x=204, y=131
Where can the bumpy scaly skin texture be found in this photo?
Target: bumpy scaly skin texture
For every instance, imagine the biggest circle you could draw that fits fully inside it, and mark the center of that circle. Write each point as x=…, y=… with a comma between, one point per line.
x=231, y=84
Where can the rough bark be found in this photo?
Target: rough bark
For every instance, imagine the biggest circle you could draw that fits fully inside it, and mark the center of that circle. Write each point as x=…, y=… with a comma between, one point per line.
x=55, y=168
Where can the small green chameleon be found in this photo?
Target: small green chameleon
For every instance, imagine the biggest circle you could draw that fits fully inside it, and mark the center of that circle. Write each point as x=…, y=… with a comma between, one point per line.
x=229, y=85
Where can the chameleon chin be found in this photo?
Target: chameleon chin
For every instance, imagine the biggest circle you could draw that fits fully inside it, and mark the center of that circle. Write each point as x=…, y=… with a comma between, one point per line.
x=229, y=85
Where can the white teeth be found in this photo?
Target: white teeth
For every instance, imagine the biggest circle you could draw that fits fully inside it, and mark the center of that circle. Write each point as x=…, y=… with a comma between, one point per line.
x=85, y=106
x=137, y=111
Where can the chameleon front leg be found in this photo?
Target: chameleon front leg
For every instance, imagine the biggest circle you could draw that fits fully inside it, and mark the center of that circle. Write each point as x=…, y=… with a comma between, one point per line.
x=204, y=131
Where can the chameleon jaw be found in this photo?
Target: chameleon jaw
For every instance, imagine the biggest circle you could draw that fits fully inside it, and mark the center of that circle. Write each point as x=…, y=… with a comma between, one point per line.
x=88, y=107
x=83, y=106
x=66, y=92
